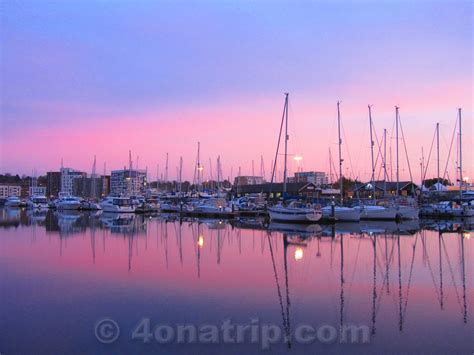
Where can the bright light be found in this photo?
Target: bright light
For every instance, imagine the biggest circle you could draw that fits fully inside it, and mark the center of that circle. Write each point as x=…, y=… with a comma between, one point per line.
x=298, y=254
x=466, y=179
x=466, y=235
x=298, y=158
x=201, y=241
x=200, y=168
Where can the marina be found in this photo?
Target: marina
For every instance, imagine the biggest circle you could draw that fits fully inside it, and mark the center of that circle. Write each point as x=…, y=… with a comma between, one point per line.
x=236, y=177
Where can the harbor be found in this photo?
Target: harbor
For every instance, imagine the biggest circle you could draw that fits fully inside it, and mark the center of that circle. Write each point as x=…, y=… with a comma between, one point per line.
x=236, y=177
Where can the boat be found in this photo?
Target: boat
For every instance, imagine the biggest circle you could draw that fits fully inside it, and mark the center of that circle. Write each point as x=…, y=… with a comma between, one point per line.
x=377, y=212
x=13, y=202
x=340, y=213
x=406, y=209
x=117, y=205
x=295, y=212
x=449, y=209
x=167, y=207
x=334, y=212
x=90, y=206
x=212, y=205
x=70, y=203
x=37, y=202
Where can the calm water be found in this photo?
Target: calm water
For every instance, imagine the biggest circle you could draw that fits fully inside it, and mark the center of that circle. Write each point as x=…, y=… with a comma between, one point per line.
x=411, y=288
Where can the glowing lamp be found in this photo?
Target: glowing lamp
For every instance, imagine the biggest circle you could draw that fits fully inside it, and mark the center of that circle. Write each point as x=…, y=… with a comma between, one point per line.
x=201, y=241
x=298, y=254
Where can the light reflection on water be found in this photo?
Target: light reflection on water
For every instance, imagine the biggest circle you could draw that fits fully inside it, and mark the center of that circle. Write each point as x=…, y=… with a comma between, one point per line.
x=61, y=272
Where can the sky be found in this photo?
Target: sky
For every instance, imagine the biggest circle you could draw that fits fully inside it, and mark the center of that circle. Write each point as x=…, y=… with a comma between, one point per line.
x=85, y=78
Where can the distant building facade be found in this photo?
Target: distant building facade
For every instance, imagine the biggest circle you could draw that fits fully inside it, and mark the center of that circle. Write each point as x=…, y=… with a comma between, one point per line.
x=53, y=183
x=318, y=178
x=10, y=190
x=92, y=188
x=248, y=180
x=127, y=181
x=67, y=179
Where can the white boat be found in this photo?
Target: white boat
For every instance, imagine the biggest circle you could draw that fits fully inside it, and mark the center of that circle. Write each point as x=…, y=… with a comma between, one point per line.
x=169, y=207
x=117, y=205
x=341, y=214
x=37, y=202
x=377, y=212
x=294, y=212
x=90, y=206
x=451, y=209
x=212, y=205
x=70, y=203
x=13, y=201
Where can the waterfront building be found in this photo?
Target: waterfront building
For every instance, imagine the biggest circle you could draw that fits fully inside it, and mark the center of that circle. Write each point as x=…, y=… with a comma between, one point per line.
x=293, y=189
x=318, y=178
x=248, y=180
x=53, y=183
x=10, y=190
x=128, y=182
x=67, y=177
x=91, y=188
x=406, y=188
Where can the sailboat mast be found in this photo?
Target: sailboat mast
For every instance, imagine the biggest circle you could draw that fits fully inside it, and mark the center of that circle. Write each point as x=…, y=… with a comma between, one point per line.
x=437, y=150
x=285, y=172
x=460, y=154
x=340, y=152
x=372, y=152
x=396, y=149
x=384, y=161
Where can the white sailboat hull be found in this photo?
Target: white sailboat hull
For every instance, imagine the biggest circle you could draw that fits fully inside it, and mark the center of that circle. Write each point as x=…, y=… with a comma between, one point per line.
x=378, y=212
x=295, y=215
x=341, y=213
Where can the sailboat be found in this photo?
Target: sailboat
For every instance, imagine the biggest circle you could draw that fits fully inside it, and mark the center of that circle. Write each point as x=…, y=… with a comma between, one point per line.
x=373, y=211
x=295, y=211
x=405, y=209
x=340, y=213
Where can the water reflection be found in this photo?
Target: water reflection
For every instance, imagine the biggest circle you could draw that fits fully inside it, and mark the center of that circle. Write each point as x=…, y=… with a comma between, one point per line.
x=409, y=282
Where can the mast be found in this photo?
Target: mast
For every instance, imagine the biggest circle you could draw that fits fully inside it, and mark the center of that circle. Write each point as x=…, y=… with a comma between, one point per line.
x=460, y=154
x=384, y=162
x=372, y=152
x=180, y=173
x=340, y=152
x=166, y=171
x=93, y=180
x=285, y=172
x=437, y=149
x=396, y=149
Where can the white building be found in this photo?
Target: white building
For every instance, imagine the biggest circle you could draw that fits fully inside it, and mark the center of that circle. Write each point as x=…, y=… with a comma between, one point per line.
x=67, y=178
x=316, y=177
x=127, y=182
x=10, y=190
x=248, y=180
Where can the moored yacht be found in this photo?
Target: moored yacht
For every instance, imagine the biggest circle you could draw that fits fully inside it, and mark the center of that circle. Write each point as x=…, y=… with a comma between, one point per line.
x=341, y=213
x=294, y=212
x=68, y=203
x=13, y=201
x=377, y=212
x=38, y=202
x=117, y=205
